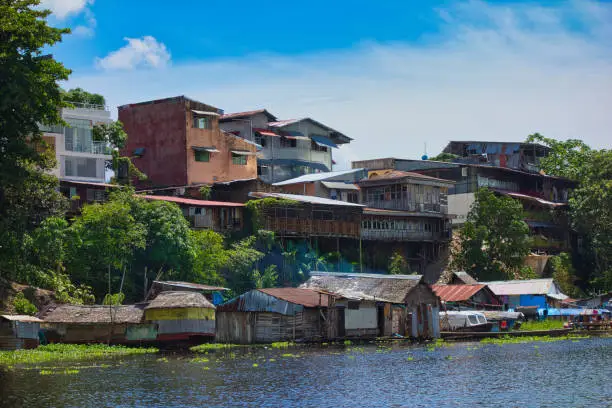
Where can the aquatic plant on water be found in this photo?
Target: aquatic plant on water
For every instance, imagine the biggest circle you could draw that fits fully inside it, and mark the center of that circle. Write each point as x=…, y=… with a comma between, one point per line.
x=62, y=352
x=529, y=339
x=534, y=325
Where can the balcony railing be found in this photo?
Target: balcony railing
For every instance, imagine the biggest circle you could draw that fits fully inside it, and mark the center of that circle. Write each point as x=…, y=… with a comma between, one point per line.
x=90, y=106
x=51, y=128
x=402, y=235
x=93, y=148
x=401, y=205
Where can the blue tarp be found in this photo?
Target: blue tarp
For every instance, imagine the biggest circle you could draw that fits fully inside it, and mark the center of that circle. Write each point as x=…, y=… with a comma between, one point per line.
x=569, y=312
x=533, y=300
x=323, y=140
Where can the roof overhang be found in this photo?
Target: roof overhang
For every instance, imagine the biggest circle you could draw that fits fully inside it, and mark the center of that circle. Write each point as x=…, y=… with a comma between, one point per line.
x=243, y=152
x=205, y=113
x=209, y=149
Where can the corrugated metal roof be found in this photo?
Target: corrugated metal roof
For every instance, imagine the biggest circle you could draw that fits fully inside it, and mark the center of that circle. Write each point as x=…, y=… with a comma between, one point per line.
x=383, y=288
x=339, y=185
x=531, y=198
x=456, y=293
x=308, y=178
x=299, y=296
x=22, y=318
x=189, y=285
x=191, y=201
x=523, y=287
x=235, y=115
x=398, y=174
x=303, y=199
x=257, y=301
x=465, y=278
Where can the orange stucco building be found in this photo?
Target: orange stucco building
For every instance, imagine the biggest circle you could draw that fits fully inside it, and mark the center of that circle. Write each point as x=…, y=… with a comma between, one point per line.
x=177, y=142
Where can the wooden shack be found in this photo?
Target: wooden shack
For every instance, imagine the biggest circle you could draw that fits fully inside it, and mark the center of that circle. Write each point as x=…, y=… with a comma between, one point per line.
x=476, y=296
x=98, y=324
x=181, y=316
x=19, y=332
x=276, y=314
x=381, y=305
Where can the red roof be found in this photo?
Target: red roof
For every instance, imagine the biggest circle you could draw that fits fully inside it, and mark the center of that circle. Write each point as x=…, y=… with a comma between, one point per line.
x=191, y=201
x=298, y=296
x=247, y=113
x=456, y=293
x=266, y=132
x=398, y=174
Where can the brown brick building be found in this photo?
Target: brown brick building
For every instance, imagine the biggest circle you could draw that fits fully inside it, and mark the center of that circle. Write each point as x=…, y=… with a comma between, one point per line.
x=177, y=142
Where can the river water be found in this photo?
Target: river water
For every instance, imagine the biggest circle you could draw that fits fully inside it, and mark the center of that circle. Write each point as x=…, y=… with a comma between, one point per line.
x=565, y=373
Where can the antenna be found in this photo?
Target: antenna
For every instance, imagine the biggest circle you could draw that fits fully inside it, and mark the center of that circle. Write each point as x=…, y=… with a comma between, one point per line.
x=424, y=156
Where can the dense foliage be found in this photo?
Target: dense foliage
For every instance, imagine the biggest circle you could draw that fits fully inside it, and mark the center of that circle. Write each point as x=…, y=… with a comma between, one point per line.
x=494, y=239
x=78, y=95
x=590, y=206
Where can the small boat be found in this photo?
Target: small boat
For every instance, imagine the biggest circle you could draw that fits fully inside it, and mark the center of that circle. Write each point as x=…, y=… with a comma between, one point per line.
x=464, y=321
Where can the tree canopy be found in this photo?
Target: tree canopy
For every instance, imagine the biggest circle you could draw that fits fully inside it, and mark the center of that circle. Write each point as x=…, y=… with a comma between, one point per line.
x=590, y=205
x=494, y=239
x=78, y=95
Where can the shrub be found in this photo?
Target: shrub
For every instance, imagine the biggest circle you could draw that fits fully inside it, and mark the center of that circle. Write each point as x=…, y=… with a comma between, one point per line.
x=23, y=305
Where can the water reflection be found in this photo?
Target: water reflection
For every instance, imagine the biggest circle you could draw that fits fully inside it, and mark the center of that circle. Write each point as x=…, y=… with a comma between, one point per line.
x=556, y=374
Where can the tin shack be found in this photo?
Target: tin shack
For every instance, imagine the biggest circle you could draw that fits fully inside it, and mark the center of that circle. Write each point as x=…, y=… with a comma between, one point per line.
x=380, y=305
x=476, y=296
x=181, y=316
x=275, y=314
x=19, y=332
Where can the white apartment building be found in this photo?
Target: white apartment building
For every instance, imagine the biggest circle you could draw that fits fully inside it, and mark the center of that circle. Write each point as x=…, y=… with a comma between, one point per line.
x=79, y=157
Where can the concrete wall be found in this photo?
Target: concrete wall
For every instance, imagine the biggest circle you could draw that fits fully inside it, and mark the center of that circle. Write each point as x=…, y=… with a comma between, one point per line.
x=160, y=128
x=460, y=205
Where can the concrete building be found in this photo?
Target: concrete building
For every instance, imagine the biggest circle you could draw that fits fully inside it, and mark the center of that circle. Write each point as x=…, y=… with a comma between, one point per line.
x=334, y=185
x=178, y=142
x=79, y=157
x=290, y=148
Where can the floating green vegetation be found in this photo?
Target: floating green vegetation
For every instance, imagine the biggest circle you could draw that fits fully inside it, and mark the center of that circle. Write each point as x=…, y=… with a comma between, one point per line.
x=288, y=355
x=282, y=344
x=62, y=352
x=67, y=371
x=533, y=325
x=409, y=358
x=347, y=342
x=255, y=365
x=162, y=360
x=529, y=339
x=199, y=360
x=206, y=347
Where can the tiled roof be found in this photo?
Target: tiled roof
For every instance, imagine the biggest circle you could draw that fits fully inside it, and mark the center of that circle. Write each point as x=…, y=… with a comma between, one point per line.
x=456, y=293
x=191, y=201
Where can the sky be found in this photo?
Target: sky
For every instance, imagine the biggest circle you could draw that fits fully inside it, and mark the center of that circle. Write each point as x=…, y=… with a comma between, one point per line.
x=400, y=77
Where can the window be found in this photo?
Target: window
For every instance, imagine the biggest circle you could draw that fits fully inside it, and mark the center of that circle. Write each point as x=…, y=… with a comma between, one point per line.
x=315, y=147
x=197, y=211
x=239, y=159
x=202, y=156
x=287, y=143
x=472, y=319
x=200, y=122
x=352, y=197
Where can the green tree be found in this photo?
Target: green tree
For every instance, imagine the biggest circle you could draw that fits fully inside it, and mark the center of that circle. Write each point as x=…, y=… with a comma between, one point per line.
x=494, y=239
x=104, y=239
x=563, y=272
x=590, y=205
x=398, y=264
x=78, y=95
x=267, y=279
x=211, y=257
x=242, y=265
x=29, y=96
x=444, y=157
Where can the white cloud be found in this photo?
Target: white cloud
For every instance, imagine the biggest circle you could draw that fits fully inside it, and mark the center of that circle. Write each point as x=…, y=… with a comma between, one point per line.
x=139, y=52
x=492, y=72
x=88, y=29
x=63, y=8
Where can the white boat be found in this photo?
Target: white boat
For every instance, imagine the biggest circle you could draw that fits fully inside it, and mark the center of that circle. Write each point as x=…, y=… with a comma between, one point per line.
x=464, y=321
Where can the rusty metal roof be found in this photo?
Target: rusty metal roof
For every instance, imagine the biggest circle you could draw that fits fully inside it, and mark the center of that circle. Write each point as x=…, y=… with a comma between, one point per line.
x=456, y=293
x=191, y=201
x=398, y=174
x=299, y=296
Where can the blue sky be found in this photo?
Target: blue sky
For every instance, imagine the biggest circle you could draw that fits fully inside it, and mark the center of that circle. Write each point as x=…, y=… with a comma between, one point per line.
x=392, y=74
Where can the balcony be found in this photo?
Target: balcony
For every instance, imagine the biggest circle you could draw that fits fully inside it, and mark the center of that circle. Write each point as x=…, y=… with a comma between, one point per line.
x=402, y=235
x=91, y=147
x=206, y=221
x=401, y=205
x=88, y=106
x=58, y=129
